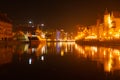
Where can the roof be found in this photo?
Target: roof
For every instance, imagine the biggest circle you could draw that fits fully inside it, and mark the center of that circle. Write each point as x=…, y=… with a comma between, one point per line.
x=106, y=12
x=116, y=14
x=4, y=18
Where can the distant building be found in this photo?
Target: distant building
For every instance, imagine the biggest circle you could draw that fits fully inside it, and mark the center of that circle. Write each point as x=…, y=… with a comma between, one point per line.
x=110, y=28
x=115, y=17
x=25, y=28
x=106, y=19
x=58, y=35
x=5, y=27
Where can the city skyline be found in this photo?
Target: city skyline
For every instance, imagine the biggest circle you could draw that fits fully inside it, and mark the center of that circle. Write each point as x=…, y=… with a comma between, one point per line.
x=64, y=14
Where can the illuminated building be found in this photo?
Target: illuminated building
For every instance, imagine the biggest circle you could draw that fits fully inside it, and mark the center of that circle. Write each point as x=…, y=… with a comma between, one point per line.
x=24, y=28
x=57, y=35
x=106, y=19
x=5, y=27
x=115, y=16
x=112, y=24
x=109, y=29
x=62, y=34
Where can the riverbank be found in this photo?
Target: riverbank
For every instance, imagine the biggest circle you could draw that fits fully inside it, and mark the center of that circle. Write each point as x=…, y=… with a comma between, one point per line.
x=99, y=43
x=12, y=42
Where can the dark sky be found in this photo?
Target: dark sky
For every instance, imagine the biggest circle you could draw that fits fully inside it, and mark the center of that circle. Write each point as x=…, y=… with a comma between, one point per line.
x=57, y=13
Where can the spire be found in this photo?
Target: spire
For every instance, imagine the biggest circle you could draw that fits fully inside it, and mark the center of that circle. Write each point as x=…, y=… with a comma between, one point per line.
x=106, y=11
x=112, y=16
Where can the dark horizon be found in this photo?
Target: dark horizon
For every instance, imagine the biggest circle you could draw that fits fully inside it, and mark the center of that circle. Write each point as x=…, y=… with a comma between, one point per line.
x=65, y=14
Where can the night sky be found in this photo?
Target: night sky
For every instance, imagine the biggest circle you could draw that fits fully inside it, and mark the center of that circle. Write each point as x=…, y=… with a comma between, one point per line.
x=57, y=13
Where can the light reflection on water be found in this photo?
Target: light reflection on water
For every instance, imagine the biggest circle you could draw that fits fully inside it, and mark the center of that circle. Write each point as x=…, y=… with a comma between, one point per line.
x=26, y=53
x=109, y=57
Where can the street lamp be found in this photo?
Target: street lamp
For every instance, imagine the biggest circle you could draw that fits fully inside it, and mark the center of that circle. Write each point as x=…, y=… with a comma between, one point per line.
x=42, y=25
x=30, y=22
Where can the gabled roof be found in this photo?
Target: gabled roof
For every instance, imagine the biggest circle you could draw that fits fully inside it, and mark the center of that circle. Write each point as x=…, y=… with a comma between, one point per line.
x=106, y=12
x=4, y=18
x=116, y=14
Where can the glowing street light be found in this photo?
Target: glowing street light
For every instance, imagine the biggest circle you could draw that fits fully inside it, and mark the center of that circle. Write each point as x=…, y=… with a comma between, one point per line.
x=42, y=58
x=30, y=22
x=30, y=61
x=42, y=25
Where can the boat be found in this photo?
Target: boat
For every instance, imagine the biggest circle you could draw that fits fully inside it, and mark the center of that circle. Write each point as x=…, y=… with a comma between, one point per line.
x=34, y=39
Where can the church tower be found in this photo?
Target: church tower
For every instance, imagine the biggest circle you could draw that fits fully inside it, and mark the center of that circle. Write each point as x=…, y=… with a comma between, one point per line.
x=106, y=18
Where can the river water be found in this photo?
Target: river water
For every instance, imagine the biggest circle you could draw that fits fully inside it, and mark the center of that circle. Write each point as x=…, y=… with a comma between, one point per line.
x=59, y=61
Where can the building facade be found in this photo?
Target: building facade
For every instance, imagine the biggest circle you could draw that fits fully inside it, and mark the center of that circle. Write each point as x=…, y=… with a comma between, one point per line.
x=112, y=24
x=5, y=27
x=108, y=29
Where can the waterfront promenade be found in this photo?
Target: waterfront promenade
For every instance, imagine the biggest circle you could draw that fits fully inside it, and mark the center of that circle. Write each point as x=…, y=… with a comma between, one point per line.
x=99, y=43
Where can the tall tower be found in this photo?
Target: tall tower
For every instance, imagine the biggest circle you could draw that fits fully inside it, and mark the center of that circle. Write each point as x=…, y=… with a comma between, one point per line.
x=98, y=25
x=106, y=18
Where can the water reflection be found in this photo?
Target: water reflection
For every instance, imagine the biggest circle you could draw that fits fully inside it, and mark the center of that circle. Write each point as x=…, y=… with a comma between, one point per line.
x=60, y=47
x=6, y=53
x=109, y=57
x=27, y=54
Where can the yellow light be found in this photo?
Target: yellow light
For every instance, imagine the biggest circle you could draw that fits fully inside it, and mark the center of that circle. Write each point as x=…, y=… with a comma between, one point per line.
x=119, y=58
x=49, y=40
x=116, y=51
x=94, y=49
x=104, y=34
x=43, y=49
x=104, y=52
x=110, y=32
x=111, y=55
x=93, y=53
x=91, y=37
x=62, y=53
x=108, y=66
x=109, y=22
x=116, y=35
x=80, y=36
x=48, y=44
x=26, y=47
x=43, y=35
